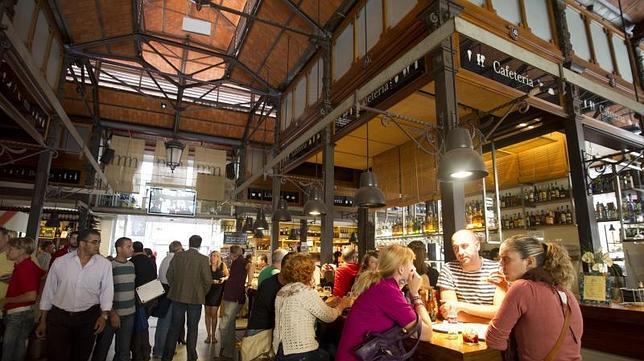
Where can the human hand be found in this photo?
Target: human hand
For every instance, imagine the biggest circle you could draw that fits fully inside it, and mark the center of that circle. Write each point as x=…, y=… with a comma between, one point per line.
x=99, y=326
x=414, y=282
x=498, y=279
x=40, y=330
x=115, y=320
x=448, y=307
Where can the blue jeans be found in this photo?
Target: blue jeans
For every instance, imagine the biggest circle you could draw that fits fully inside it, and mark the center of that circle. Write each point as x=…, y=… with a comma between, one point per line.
x=123, y=337
x=179, y=311
x=227, y=328
x=18, y=326
x=161, y=333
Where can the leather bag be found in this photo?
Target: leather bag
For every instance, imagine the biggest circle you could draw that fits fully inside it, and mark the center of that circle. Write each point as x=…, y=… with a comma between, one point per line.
x=388, y=345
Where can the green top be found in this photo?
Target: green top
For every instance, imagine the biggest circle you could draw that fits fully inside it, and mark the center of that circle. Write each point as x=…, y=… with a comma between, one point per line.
x=266, y=273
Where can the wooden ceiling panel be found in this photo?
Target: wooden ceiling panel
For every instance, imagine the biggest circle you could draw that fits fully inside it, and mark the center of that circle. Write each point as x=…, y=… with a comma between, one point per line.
x=153, y=16
x=81, y=19
x=260, y=38
x=116, y=16
x=125, y=48
x=158, y=62
x=320, y=10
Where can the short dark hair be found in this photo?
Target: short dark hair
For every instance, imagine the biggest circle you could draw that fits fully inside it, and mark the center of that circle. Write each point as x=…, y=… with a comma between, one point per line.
x=121, y=242
x=45, y=244
x=83, y=236
x=174, y=246
x=138, y=246
x=72, y=233
x=264, y=258
x=194, y=241
x=148, y=252
x=285, y=258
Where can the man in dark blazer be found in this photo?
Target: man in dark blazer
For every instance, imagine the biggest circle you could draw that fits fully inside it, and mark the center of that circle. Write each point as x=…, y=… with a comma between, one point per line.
x=189, y=278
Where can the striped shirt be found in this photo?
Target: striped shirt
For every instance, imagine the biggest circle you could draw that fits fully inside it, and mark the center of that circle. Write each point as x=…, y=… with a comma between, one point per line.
x=471, y=287
x=124, y=275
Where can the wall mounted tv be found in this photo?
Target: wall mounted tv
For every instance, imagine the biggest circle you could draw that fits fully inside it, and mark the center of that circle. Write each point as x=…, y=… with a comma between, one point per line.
x=172, y=202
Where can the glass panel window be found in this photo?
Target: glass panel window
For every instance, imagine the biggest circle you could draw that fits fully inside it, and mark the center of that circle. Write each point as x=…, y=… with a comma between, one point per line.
x=600, y=43
x=621, y=55
x=369, y=20
x=540, y=25
x=343, y=52
x=397, y=9
x=578, y=35
x=314, y=76
x=299, y=98
x=508, y=10
x=478, y=2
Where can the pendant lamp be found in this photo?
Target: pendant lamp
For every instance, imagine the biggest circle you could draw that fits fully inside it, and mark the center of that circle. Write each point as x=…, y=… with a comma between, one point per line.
x=282, y=214
x=294, y=235
x=369, y=195
x=460, y=162
x=173, y=152
x=260, y=221
x=53, y=220
x=314, y=205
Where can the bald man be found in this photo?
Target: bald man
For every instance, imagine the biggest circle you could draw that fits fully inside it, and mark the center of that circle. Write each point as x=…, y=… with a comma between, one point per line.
x=464, y=283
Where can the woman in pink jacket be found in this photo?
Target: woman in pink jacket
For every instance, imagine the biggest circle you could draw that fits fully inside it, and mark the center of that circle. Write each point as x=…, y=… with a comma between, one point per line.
x=532, y=315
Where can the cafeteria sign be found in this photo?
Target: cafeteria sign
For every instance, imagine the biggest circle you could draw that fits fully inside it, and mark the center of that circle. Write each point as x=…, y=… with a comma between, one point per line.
x=486, y=61
x=600, y=108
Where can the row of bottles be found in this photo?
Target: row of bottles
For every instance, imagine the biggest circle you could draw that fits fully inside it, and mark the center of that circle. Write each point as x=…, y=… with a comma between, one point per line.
x=535, y=194
x=474, y=215
x=606, y=212
x=343, y=232
x=603, y=184
x=61, y=216
x=549, y=217
x=631, y=210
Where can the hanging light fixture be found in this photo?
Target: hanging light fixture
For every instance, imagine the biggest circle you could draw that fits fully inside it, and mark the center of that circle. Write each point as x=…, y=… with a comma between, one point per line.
x=281, y=214
x=239, y=225
x=260, y=221
x=248, y=225
x=294, y=235
x=460, y=161
x=369, y=195
x=353, y=238
x=173, y=152
x=259, y=233
x=314, y=206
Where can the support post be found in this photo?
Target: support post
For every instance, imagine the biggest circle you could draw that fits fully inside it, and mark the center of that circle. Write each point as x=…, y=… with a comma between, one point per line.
x=452, y=194
x=326, y=241
x=304, y=230
x=366, y=232
x=42, y=179
x=277, y=183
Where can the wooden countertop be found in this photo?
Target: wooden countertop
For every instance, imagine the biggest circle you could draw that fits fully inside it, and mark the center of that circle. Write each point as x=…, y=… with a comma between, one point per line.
x=442, y=348
x=614, y=328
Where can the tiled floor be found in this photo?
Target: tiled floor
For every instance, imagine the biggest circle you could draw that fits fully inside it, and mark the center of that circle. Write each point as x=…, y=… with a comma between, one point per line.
x=204, y=351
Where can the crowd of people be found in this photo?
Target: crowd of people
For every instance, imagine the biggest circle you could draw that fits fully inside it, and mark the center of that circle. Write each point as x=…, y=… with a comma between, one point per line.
x=87, y=302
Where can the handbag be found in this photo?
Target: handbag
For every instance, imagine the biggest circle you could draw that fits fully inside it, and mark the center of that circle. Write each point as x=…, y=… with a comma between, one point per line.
x=258, y=346
x=388, y=345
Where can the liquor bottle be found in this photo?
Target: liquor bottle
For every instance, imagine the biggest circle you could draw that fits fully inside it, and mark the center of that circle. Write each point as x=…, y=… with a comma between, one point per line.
x=556, y=194
x=630, y=209
x=550, y=219
x=562, y=217
x=568, y=215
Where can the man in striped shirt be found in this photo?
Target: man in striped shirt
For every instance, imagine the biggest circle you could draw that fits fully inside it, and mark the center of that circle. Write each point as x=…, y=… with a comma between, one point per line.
x=464, y=283
x=122, y=314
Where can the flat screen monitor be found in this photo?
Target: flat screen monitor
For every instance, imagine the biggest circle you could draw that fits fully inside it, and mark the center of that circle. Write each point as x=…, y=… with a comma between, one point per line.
x=172, y=202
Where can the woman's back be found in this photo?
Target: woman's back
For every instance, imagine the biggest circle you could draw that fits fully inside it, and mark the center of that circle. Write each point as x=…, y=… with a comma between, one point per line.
x=376, y=310
x=533, y=310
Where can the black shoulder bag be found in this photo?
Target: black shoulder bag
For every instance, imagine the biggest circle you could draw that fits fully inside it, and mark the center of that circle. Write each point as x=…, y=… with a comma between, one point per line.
x=388, y=345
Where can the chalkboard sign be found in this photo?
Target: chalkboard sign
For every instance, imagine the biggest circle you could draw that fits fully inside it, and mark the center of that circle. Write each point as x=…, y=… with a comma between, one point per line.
x=235, y=238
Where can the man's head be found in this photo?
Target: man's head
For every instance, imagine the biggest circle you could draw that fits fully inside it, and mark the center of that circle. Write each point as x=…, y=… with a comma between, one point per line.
x=350, y=256
x=4, y=237
x=236, y=251
x=124, y=247
x=20, y=248
x=277, y=257
x=194, y=241
x=72, y=240
x=262, y=261
x=175, y=246
x=466, y=246
x=89, y=241
x=138, y=247
x=47, y=246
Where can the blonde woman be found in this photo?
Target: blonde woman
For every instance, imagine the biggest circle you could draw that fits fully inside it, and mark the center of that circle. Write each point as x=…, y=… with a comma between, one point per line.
x=381, y=305
x=213, y=298
x=535, y=307
x=297, y=307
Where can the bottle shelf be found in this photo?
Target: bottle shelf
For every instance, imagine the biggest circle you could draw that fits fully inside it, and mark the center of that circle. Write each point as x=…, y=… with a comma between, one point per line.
x=607, y=220
x=424, y=235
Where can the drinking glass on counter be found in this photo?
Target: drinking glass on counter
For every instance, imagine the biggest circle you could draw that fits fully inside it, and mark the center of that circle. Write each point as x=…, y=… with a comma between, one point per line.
x=470, y=335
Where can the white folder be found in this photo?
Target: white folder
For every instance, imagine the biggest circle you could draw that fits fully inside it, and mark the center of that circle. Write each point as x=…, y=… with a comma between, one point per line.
x=150, y=291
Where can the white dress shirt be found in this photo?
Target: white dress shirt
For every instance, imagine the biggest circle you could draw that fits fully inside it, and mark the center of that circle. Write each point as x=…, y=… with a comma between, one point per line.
x=74, y=288
x=163, y=268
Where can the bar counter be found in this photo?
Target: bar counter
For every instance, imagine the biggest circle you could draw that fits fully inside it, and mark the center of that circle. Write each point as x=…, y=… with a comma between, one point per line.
x=441, y=348
x=614, y=328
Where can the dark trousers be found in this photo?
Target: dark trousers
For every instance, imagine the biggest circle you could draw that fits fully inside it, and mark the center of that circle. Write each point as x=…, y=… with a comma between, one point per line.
x=179, y=311
x=141, y=337
x=70, y=335
x=123, y=338
x=315, y=355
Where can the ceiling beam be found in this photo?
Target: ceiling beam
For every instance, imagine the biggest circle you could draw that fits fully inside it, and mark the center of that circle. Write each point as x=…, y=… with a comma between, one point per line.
x=306, y=18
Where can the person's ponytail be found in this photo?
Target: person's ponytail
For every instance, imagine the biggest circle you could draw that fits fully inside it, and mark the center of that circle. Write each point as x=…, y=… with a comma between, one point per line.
x=365, y=280
x=557, y=263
